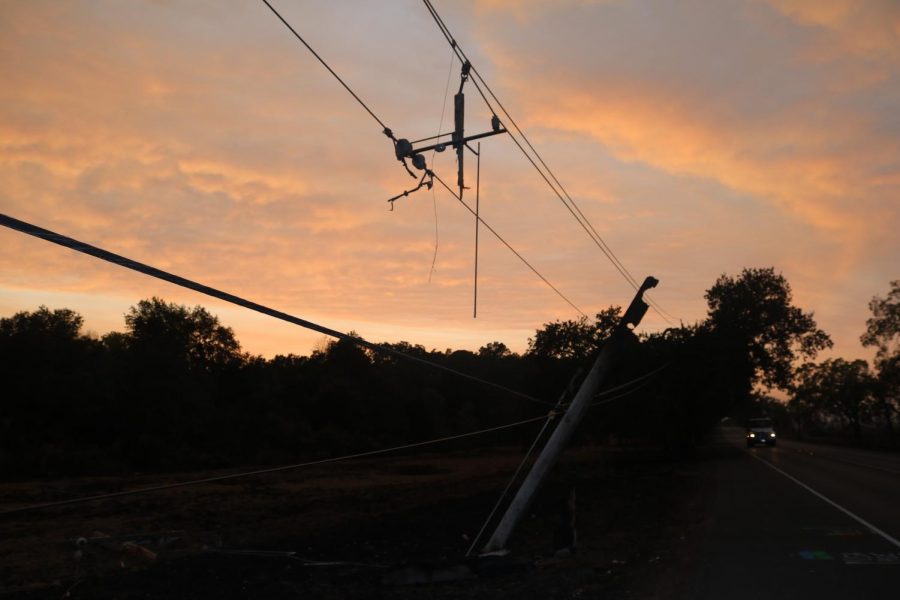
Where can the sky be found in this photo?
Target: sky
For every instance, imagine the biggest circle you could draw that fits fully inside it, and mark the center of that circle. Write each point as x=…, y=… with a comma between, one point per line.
x=201, y=137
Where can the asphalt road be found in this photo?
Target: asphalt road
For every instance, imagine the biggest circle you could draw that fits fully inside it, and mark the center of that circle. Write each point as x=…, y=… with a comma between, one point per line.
x=798, y=521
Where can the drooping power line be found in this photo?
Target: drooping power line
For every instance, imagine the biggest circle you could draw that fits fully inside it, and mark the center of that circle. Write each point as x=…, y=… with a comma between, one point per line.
x=390, y=134
x=546, y=173
x=134, y=265
x=557, y=410
x=193, y=482
x=509, y=246
x=385, y=129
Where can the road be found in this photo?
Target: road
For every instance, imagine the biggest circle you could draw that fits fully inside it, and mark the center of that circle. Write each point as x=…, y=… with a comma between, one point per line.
x=799, y=521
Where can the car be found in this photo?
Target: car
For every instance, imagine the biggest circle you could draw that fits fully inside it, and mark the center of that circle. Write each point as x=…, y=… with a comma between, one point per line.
x=760, y=432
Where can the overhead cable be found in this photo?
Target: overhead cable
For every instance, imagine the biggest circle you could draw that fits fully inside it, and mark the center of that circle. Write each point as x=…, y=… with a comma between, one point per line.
x=633, y=381
x=558, y=188
x=557, y=410
x=433, y=152
x=388, y=132
x=507, y=244
x=509, y=484
x=592, y=232
x=385, y=129
x=181, y=484
x=134, y=265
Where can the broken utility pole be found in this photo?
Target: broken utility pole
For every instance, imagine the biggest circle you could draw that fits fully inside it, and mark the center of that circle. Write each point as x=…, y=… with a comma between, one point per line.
x=568, y=423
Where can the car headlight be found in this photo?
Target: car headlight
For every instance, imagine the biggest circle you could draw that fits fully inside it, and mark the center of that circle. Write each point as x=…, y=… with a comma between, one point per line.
x=772, y=434
x=752, y=434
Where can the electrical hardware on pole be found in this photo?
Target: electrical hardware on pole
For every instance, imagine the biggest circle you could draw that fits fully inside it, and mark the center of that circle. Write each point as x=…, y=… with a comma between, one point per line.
x=405, y=150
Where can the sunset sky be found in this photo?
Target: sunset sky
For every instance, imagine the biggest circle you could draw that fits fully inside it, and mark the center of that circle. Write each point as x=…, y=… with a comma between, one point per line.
x=202, y=138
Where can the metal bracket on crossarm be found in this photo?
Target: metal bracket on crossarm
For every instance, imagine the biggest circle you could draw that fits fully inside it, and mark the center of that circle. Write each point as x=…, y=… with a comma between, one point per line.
x=404, y=149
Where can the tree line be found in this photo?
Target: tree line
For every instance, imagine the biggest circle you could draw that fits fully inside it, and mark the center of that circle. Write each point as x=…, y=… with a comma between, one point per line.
x=175, y=390
x=848, y=399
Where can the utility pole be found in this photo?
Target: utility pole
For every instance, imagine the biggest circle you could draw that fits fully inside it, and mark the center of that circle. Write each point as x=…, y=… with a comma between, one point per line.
x=569, y=422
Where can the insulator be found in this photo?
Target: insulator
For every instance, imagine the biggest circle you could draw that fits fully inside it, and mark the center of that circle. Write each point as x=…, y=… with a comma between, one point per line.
x=403, y=148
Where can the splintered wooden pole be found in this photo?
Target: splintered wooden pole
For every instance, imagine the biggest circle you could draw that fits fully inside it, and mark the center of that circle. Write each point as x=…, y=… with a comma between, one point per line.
x=569, y=422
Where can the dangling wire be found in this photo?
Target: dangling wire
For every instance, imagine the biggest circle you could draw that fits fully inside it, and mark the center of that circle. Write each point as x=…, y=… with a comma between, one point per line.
x=558, y=409
x=537, y=162
x=477, y=222
x=436, y=235
x=433, y=152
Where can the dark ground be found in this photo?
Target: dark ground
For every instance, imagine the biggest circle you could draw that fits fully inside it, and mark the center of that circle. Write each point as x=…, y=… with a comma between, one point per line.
x=637, y=512
x=720, y=523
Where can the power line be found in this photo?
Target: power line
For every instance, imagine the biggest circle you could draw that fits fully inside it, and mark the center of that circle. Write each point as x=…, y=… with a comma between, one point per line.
x=559, y=408
x=598, y=240
x=620, y=396
x=134, y=265
x=569, y=202
x=386, y=130
x=433, y=152
x=509, y=484
x=563, y=197
x=453, y=45
x=633, y=381
x=561, y=192
x=180, y=484
x=167, y=486
x=509, y=246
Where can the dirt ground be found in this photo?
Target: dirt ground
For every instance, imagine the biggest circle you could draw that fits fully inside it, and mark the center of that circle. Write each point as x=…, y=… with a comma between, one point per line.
x=393, y=525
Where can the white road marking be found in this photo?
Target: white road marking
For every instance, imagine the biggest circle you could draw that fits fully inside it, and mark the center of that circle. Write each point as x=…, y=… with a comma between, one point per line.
x=870, y=558
x=857, y=518
x=826, y=456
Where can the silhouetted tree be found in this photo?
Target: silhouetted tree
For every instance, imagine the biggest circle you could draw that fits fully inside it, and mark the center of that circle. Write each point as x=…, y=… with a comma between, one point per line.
x=755, y=310
x=50, y=391
x=883, y=327
x=42, y=327
x=172, y=387
x=172, y=332
x=174, y=390
x=883, y=332
x=574, y=339
x=494, y=350
x=886, y=401
x=838, y=388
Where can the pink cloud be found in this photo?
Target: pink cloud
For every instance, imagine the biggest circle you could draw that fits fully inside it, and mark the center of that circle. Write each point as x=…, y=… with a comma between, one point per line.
x=208, y=142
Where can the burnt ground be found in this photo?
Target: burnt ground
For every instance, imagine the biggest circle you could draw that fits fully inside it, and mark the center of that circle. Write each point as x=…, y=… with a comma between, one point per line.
x=638, y=514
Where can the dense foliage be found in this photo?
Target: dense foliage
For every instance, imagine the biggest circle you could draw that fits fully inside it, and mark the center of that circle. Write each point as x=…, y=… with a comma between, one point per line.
x=848, y=400
x=174, y=390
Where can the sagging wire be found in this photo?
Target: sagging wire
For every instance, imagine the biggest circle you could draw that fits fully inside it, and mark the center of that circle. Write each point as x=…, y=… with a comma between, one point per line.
x=509, y=246
x=561, y=193
x=180, y=484
x=384, y=128
x=557, y=410
x=633, y=381
x=433, y=154
x=122, y=261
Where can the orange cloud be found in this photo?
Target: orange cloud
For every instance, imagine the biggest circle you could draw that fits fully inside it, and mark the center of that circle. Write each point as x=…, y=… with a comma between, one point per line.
x=638, y=126
x=209, y=143
x=866, y=29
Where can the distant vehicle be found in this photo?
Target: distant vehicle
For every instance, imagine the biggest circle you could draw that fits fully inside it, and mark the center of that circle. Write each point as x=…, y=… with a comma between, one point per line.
x=760, y=432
